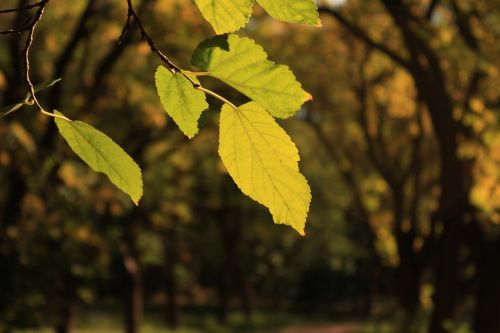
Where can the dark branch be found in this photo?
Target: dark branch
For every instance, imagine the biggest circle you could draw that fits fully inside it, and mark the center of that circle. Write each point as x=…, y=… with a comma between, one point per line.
x=473, y=86
x=81, y=31
x=21, y=9
x=414, y=165
x=105, y=66
x=26, y=51
x=14, y=31
x=430, y=9
x=464, y=27
x=375, y=145
x=132, y=14
x=363, y=36
x=18, y=10
x=347, y=175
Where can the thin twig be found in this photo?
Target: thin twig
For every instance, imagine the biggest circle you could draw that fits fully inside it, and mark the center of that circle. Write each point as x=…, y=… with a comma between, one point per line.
x=21, y=9
x=126, y=27
x=131, y=13
x=26, y=51
x=172, y=67
x=14, y=31
x=26, y=57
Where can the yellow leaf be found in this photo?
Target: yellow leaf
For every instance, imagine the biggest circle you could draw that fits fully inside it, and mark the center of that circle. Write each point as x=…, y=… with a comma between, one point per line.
x=263, y=161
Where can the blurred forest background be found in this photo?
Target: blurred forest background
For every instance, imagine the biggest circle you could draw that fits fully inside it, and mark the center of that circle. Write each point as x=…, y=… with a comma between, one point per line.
x=401, y=147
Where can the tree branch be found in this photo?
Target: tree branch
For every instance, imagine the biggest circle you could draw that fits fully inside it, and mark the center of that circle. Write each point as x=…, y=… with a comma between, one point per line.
x=21, y=9
x=361, y=91
x=473, y=87
x=18, y=10
x=81, y=31
x=414, y=165
x=464, y=27
x=26, y=51
x=363, y=36
x=430, y=9
x=132, y=14
x=347, y=175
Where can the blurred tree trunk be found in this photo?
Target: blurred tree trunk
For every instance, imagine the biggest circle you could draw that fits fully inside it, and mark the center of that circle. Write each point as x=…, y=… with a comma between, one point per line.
x=424, y=66
x=409, y=286
x=455, y=177
x=171, y=260
x=404, y=205
x=231, y=273
x=134, y=288
x=227, y=266
x=409, y=272
x=245, y=291
x=68, y=306
x=224, y=285
x=16, y=90
x=487, y=312
x=361, y=214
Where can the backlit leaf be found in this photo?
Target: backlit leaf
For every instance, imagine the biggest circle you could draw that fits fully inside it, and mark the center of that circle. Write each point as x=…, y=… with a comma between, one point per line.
x=226, y=15
x=242, y=64
x=102, y=154
x=294, y=11
x=263, y=161
x=180, y=99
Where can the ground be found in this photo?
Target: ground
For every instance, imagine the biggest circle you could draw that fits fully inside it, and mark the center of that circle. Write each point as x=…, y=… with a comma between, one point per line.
x=346, y=327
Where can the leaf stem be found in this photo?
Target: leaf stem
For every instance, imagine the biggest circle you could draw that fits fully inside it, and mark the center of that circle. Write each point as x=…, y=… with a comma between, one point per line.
x=219, y=97
x=195, y=73
x=53, y=115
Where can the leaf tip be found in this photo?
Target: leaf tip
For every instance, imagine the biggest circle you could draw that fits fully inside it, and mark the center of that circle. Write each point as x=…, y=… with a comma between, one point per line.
x=137, y=200
x=191, y=134
x=309, y=97
x=302, y=232
x=318, y=24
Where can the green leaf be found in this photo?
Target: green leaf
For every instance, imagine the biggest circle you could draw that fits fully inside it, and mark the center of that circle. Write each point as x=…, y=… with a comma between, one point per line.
x=263, y=161
x=180, y=99
x=45, y=85
x=102, y=154
x=293, y=11
x=9, y=109
x=42, y=86
x=226, y=15
x=242, y=64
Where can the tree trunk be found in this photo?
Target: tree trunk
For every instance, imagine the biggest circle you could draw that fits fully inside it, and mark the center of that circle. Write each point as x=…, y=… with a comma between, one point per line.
x=487, y=312
x=447, y=283
x=68, y=305
x=134, y=288
x=134, y=304
x=230, y=234
x=424, y=65
x=409, y=286
x=171, y=259
x=224, y=286
x=245, y=291
x=455, y=175
x=409, y=270
x=67, y=324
